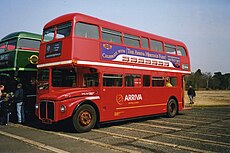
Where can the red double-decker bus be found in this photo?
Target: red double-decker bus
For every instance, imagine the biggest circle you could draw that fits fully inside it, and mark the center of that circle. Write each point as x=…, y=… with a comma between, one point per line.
x=93, y=71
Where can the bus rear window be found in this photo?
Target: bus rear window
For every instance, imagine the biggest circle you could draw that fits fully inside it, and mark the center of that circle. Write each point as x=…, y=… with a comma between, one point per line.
x=48, y=34
x=29, y=44
x=86, y=30
x=63, y=30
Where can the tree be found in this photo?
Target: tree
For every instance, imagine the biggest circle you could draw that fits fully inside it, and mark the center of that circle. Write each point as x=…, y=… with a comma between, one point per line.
x=197, y=78
x=207, y=77
x=226, y=79
x=207, y=80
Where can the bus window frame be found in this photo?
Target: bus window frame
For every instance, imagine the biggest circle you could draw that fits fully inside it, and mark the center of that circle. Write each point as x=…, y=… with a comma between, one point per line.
x=83, y=37
x=181, y=54
x=28, y=48
x=148, y=44
x=131, y=37
x=52, y=29
x=122, y=80
x=111, y=32
x=170, y=46
x=140, y=82
x=162, y=45
x=65, y=26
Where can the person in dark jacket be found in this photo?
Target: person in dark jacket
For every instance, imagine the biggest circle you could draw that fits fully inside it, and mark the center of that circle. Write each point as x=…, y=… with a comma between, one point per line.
x=191, y=94
x=18, y=98
x=6, y=107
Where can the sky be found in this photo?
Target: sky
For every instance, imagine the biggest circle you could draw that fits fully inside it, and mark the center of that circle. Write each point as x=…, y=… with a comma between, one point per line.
x=203, y=25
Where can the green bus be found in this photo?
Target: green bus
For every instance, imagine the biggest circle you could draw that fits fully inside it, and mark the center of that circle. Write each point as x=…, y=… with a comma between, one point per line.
x=18, y=63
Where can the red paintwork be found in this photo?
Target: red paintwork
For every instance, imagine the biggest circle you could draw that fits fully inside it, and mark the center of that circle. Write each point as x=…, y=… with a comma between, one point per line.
x=154, y=100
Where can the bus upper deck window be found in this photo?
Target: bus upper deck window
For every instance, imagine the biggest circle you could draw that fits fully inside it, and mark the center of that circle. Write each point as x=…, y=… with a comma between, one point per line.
x=145, y=43
x=2, y=47
x=28, y=44
x=111, y=35
x=131, y=40
x=63, y=30
x=181, y=51
x=156, y=45
x=171, y=49
x=86, y=30
x=48, y=34
x=11, y=45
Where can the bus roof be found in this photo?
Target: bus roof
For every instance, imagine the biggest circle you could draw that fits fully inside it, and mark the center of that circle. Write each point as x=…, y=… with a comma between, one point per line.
x=107, y=24
x=22, y=34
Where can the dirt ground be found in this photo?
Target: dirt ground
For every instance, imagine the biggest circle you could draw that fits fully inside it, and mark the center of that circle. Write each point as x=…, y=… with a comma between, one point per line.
x=211, y=98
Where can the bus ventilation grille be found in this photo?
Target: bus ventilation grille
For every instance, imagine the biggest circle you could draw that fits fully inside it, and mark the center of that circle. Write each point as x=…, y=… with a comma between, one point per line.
x=47, y=110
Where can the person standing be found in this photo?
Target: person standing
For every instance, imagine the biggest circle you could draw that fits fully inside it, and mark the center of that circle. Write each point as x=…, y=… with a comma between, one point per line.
x=6, y=106
x=1, y=89
x=191, y=94
x=18, y=98
x=1, y=103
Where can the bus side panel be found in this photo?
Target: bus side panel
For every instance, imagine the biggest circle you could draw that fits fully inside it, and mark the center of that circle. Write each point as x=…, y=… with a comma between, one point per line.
x=121, y=103
x=86, y=49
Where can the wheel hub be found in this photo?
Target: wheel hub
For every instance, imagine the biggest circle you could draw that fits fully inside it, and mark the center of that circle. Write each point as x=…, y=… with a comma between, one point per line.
x=85, y=118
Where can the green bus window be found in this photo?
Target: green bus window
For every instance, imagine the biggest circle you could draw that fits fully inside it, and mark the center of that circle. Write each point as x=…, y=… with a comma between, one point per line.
x=2, y=47
x=156, y=45
x=11, y=45
x=111, y=35
x=28, y=44
x=86, y=30
x=131, y=40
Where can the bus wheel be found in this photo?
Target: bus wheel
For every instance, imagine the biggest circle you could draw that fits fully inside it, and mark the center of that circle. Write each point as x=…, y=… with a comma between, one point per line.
x=172, y=108
x=84, y=119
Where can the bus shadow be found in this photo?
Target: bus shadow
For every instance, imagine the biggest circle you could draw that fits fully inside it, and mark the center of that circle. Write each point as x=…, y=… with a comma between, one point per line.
x=67, y=127
x=131, y=120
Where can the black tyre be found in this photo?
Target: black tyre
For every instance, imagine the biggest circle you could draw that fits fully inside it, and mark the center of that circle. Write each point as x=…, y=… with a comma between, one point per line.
x=172, y=108
x=84, y=119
